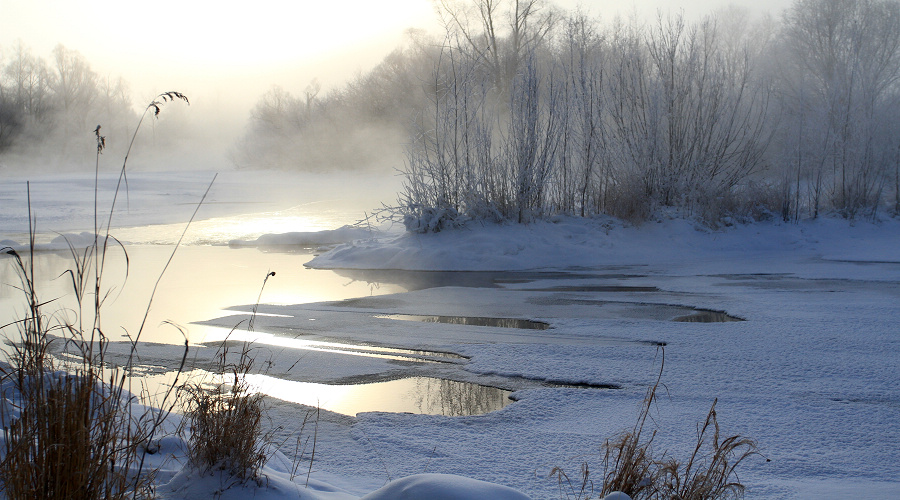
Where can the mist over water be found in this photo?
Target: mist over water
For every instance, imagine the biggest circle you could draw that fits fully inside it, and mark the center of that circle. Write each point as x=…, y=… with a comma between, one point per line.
x=225, y=60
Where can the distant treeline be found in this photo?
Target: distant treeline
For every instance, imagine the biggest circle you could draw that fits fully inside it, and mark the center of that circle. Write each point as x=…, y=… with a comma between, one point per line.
x=50, y=107
x=361, y=125
x=522, y=111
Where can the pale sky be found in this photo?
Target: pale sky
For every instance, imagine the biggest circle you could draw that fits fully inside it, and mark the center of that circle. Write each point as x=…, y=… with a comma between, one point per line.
x=238, y=50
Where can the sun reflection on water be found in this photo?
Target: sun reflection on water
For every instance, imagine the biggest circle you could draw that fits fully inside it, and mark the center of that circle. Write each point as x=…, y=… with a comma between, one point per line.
x=248, y=227
x=420, y=395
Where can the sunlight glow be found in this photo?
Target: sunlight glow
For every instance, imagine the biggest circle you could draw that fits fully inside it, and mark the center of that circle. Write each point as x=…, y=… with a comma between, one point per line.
x=215, y=335
x=421, y=395
x=207, y=34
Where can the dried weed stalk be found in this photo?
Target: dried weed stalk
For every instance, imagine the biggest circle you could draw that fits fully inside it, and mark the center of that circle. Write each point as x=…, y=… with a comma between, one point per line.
x=227, y=421
x=630, y=466
x=710, y=470
x=70, y=429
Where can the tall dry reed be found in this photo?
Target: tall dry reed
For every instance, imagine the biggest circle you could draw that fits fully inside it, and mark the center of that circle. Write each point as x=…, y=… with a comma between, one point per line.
x=71, y=430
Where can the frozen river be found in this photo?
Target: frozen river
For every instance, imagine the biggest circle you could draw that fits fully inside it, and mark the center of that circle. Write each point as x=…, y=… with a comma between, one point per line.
x=806, y=365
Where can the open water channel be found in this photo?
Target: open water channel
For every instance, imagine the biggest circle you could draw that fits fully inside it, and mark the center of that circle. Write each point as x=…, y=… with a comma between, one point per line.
x=203, y=282
x=203, y=292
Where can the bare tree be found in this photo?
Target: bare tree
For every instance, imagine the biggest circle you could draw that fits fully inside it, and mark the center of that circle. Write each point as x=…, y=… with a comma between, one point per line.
x=73, y=83
x=274, y=110
x=847, y=56
x=580, y=181
x=311, y=92
x=500, y=33
x=26, y=79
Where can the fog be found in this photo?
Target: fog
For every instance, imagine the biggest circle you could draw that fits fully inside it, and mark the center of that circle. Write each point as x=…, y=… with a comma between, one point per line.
x=225, y=58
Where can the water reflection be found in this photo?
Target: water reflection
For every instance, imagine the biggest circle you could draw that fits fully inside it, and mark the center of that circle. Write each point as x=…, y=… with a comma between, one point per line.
x=420, y=395
x=471, y=320
x=199, y=284
x=420, y=280
x=238, y=337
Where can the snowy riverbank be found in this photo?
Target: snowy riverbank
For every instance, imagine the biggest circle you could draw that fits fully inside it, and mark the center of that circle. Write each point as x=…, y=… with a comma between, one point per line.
x=573, y=242
x=810, y=374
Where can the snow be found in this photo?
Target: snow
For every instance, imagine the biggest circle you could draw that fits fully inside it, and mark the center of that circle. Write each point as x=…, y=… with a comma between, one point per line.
x=567, y=243
x=442, y=487
x=811, y=374
x=306, y=238
x=273, y=485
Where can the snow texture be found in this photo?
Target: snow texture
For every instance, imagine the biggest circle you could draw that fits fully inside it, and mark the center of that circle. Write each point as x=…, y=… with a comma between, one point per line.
x=811, y=374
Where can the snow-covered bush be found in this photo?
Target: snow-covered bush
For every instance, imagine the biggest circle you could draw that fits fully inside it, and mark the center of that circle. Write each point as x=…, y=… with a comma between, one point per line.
x=430, y=219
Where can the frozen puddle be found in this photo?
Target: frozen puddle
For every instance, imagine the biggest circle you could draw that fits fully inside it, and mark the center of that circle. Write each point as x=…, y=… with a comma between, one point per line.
x=420, y=395
x=526, y=324
x=707, y=316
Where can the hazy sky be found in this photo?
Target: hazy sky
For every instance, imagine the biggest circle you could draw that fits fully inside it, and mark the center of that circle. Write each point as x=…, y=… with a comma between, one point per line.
x=235, y=51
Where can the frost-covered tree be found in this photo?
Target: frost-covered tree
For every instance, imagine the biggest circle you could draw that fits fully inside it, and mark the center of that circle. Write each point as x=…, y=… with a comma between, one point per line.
x=841, y=74
x=581, y=179
x=501, y=33
x=686, y=116
x=72, y=81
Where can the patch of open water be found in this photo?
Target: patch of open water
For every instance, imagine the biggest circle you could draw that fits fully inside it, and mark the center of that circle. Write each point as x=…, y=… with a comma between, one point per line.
x=202, y=282
x=421, y=395
x=525, y=324
x=416, y=394
x=222, y=336
x=205, y=282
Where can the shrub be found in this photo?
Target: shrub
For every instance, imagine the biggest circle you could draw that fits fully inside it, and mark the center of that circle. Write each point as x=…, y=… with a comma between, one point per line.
x=226, y=421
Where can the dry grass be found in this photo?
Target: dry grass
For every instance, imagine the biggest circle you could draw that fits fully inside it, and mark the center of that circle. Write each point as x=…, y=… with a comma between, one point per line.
x=227, y=421
x=70, y=430
x=69, y=442
x=709, y=471
x=628, y=461
x=630, y=466
x=69, y=433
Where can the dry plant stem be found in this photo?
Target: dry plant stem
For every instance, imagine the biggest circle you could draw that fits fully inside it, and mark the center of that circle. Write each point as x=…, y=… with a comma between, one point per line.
x=312, y=458
x=707, y=474
x=166, y=267
x=256, y=305
x=74, y=432
x=631, y=468
x=628, y=462
x=584, y=490
x=226, y=422
x=299, y=450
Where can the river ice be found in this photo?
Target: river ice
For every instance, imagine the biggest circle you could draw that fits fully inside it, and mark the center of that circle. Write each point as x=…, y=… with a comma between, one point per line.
x=811, y=374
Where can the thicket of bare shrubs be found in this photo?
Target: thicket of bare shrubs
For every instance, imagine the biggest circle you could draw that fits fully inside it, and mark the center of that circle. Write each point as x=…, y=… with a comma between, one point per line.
x=532, y=113
x=521, y=110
